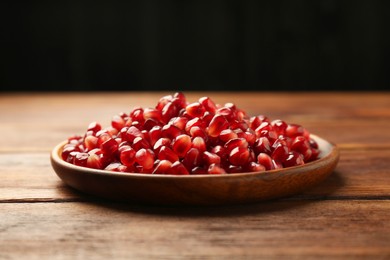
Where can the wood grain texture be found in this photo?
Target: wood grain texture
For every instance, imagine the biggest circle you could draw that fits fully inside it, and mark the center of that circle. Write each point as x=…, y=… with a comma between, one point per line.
x=295, y=229
x=345, y=217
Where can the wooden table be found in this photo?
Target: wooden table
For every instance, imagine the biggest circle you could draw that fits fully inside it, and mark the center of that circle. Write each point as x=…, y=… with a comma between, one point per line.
x=347, y=216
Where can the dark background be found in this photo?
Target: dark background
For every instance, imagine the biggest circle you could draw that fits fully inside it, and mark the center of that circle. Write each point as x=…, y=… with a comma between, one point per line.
x=195, y=45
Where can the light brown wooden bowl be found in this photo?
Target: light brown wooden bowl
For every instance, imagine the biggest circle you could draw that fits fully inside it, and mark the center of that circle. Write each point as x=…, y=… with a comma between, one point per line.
x=198, y=189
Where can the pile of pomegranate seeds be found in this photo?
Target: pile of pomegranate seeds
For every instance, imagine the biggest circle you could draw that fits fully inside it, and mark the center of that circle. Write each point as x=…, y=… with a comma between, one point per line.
x=181, y=138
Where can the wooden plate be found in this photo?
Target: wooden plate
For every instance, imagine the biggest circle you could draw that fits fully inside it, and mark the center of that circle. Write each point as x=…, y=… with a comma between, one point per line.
x=198, y=189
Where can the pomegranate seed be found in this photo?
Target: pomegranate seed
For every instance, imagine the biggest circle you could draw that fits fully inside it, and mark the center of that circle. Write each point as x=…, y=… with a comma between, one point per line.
x=150, y=123
x=169, y=111
x=132, y=133
x=313, y=144
x=94, y=161
x=109, y=147
x=137, y=114
x=198, y=170
x=192, y=159
x=227, y=134
x=166, y=153
x=262, y=145
x=233, y=143
x=279, y=126
x=265, y=160
x=217, y=124
x=196, y=131
x=293, y=159
x=181, y=145
x=220, y=151
x=215, y=169
x=211, y=158
x=194, y=122
x=152, y=113
x=207, y=117
x=199, y=144
x=280, y=152
x=127, y=156
x=118, y=122
x=160, y=143
x=162, y=167
x=208, y=104
x=94, y=127
x=91, y=142
x=177, y=168
x=302, y=146
x=116, y=167
x=170, y=131
x=145, y=158
x=195, y=109
x=140, y=143
x=180, y=99
x=294, y=130
x=81, y=159
x=255, y=122
x=239, y=156
x=180, y=122
x=155, y=134
x=163, y=101
x=234, y=169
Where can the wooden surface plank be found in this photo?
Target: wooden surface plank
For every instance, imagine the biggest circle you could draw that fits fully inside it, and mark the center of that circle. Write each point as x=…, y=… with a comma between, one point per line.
x=361, y=173
x=299, y=229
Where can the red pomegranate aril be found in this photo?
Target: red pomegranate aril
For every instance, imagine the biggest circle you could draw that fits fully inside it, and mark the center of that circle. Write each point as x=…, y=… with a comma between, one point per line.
x=102, y=138
x=118, y=122
x=192, y=159
x=293, y=159
x=294, y=130
x=220, y=151
x=109, y=147
x=179, y=99
x=207, y=117
x=160, y=143
x=227, y=134
x=152, y=113
x=170, y=131
x=198, y=170
x=162, y=167
x=195, y=109
x=150, y=123
x=194, y=122
x=217, y=124
x=166, y=153
x=140, y=143
x=127, y=156
x=239, y=156
x=250, y=136
x=169, y=110
x=279, y=126
x=67, y=150
x=302, y=146
x=196, y=131
x=91, y=142
x=199, y=143
x=265, y=160
x=233, y=143
x=155, y=134
x=215, y=169
x=94, y=127
x=94, y=161
x=177, y=168
x=180, y=122
x=255, y=121
x=255, y=167
x=81, y=159
x=131, y=133
x=280, y=152
x=270, y=135
x=163, y=101
x=137, y=114
x=145, y=158
x=262, y=145
x=313, y=144
x=210, y=158
x=208, y=104
x=181, y=144
x=116, y=167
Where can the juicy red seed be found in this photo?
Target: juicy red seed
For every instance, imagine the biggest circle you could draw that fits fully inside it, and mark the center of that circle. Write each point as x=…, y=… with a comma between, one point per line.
x=127, y=156
x=194, y=122
x=226, y=112
x=215, y=169
x=116, y=167
x=280, y=152
x=94, y=161
x=238, y=124
x=140, y=143
x=91, y=142
x=293, y=159
x=67, y=150
x=302, y=146
x=163, y=101
x=152, y=113
x=137, y=114
x=220, y=151
x=234, y=169
x=217, y=124
x=177, y=168
x=265, y=160
x=81, y=159
x=255, y=121
x=94, y=127
x=250, y=136
x=279, y=126
x=277, y=164
x=199, y=170
x=160, y=143
x=180, y=99
x=132, y=133
x=162, y=167
x=150, y=123
x=195, y=109
x=208, y=104
x=199, y=143
x=170, y=131
x=169, y=110
x=166, y=153
x=256, y=167
x=198, y=131
x=145, y=158
x=109, y=147
x=227, y=135
x=270, y=135
x=294, y=130
x=154, y=134
x=265, y=126
x=239, y=156
x=192, y=159
x=118, y=122
x=262, y=145
x=180, y=122
x=313, y=143
x=210, y=158
x=207, y=117
x=233, y=143
x=181, y=145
